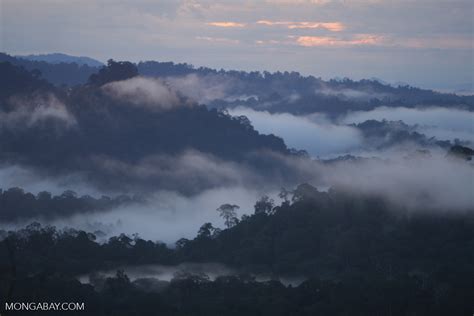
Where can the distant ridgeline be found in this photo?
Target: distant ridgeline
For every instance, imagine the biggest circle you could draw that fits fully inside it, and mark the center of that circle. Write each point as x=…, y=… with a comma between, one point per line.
x=58, y=58
x=58, y=73
x=274, y=92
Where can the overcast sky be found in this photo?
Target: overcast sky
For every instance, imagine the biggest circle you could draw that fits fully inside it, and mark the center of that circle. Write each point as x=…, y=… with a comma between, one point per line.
x=427, y=43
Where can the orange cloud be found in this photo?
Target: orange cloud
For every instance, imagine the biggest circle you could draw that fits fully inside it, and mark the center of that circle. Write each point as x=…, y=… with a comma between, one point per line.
x=321, y=41
x=330, y=26
x=271, y=23
x=226, y=24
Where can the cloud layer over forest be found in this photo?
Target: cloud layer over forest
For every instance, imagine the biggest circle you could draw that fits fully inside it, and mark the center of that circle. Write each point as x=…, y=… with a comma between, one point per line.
x=442, y=123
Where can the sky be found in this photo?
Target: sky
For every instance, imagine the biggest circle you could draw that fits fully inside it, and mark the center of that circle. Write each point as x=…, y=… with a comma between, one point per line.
x=426, y=43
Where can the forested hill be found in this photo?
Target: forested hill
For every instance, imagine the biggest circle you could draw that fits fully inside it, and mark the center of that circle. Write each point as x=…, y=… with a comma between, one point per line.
x=61, y=73
x=291, y=92
x=274, y=92
x=358, y=254
x=111, y=128
x=58, y=58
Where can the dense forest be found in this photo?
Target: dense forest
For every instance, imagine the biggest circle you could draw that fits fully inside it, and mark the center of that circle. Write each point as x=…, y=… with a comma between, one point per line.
x=16, y=204
x=359, y=255
x=89, y=129
x=387, y=228
x=119, y=123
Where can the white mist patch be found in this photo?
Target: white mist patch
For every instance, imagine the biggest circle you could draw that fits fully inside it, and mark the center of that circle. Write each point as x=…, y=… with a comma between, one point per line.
x=33, y=111
x=435, y=183
x=202, y=89
x=166, y=216
x=351, y=94
x=316, y=135
x=442, y=123
x=168, y=273
x=142, y=91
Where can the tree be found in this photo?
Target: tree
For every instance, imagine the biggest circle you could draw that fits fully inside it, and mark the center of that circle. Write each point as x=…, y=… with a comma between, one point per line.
x=181, y=243
x=264, y=205
x=114, y=71
x=227, y=212
x=206, y=231
x=284, y=195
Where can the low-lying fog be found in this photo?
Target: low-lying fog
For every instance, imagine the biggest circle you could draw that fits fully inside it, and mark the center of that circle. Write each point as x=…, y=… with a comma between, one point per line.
x=402, y=174
x=167, y=273
x=432, y=181
x=165, y=216
x=323, y=137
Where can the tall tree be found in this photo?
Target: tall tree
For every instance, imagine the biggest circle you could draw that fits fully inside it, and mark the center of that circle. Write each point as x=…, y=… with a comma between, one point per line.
x=228, y=213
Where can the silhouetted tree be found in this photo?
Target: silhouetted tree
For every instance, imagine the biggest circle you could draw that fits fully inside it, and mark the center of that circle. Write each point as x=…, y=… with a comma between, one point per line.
x=227, y=212
x=264, y=205
x=114, y=71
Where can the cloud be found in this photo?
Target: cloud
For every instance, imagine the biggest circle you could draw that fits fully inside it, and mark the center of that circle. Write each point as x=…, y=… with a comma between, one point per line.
x=165, y=273
x=189, y=172
x=218, y=39
x=30, y=111
x=35, y=181
x=420, y=183
x=316, y=135
x=322, y=41
x=202, y=89
x=442, y=123
x=166, y=215
x=167, y=30
x=330, y=26
x=141, y=91
x=226, y=24
x=428, y=183
x=328, y=41
x=352, y=94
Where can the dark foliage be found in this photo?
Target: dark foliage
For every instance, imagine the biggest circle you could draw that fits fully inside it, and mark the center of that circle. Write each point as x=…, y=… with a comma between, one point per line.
x=57, y=58
x=15, y=80
x=383, y=134
x=337, y=233
x=361, y=256
x=240, y=295
x=461, y=152
x=16, y=204
x=115, y=71
x=69, y=74
x=99, y=128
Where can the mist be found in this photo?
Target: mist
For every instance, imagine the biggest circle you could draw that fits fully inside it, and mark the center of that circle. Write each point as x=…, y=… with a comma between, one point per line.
x=319, y=137
x=142, y=91
x=32, y=111
x=203, y=89
x=165, y=216
x=35, y=181
x=428, y=183
x=442, y=123
x=351, y=94
x=168, y=273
